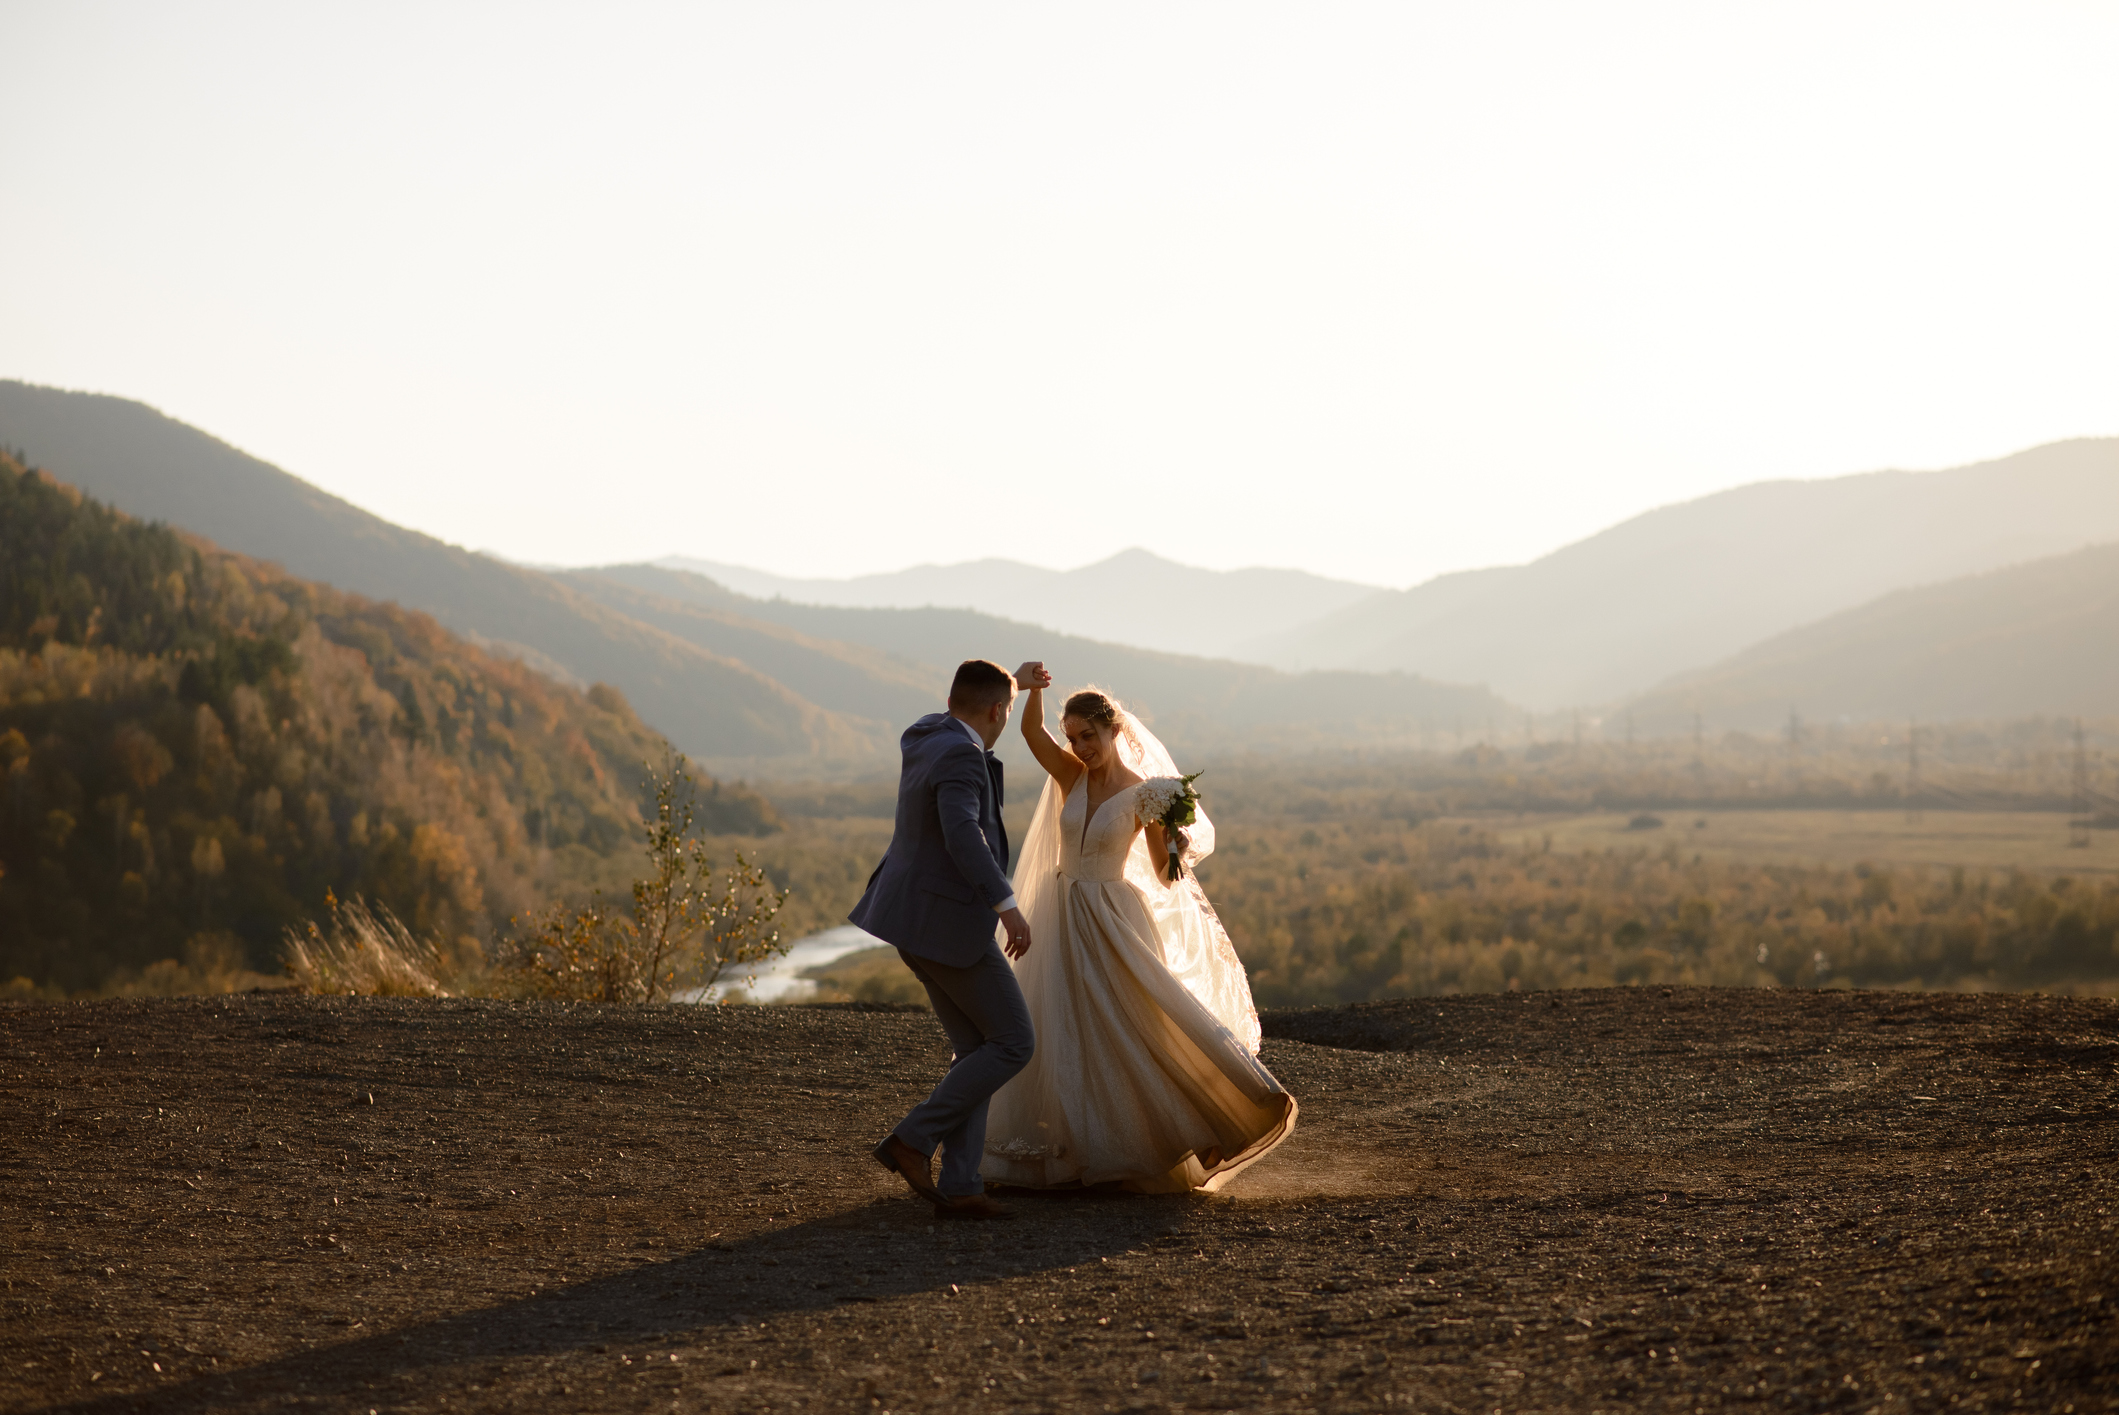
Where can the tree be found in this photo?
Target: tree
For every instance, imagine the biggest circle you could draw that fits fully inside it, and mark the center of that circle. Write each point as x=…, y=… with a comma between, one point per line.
x=689, y=923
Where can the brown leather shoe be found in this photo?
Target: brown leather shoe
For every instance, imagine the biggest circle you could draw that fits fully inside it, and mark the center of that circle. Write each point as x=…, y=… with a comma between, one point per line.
x=972, y=1207
x=909, y=1164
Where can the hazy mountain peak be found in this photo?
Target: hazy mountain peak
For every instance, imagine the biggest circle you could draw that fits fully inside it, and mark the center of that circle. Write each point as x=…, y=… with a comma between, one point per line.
x=1103, y=600
x=1138, y=555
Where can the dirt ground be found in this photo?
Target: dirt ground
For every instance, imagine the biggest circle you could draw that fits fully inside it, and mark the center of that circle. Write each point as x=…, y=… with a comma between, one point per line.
x=1611, y=1200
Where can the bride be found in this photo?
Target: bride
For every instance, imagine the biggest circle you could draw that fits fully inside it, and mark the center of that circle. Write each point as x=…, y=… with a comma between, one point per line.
x=1145, y=1072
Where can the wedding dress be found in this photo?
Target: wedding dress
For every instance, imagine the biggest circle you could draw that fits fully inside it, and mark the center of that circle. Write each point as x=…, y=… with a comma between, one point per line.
x=1145, y=1072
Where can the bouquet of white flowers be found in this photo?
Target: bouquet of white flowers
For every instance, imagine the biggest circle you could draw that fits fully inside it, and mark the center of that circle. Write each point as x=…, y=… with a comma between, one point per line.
x=1171, y=801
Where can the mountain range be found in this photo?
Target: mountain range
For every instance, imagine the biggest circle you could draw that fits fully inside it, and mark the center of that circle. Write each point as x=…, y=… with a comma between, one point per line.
x=1197, y=702
x=1687, y=585
x=747, y=686
x=1966, y=592
x=1607, y=619
x=1213, y=611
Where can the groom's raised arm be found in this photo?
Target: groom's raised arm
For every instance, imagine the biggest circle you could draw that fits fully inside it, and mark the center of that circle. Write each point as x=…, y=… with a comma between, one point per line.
x=959, y=786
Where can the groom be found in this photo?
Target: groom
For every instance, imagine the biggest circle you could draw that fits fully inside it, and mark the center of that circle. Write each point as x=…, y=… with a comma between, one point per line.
x=935, y=897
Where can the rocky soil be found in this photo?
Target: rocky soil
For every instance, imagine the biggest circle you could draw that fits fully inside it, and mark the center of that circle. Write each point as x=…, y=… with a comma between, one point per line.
x=1615, y=1200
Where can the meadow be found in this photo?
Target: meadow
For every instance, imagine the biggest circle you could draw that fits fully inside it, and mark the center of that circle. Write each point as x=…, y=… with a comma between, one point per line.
x=2039, y=841
x=1355, y=909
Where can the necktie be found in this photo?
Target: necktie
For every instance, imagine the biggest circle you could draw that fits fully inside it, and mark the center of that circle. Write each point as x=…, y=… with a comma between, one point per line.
x=993, y=772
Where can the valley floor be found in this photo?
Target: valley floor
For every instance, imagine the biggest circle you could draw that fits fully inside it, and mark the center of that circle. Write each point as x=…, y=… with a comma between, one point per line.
x=1969, y=840
x=1611, y=1200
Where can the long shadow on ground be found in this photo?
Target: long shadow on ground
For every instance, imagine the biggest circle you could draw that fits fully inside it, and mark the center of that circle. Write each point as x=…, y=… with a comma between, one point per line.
x=881, y=1251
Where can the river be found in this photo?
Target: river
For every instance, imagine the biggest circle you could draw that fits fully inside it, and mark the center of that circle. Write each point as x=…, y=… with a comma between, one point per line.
x=780, y=979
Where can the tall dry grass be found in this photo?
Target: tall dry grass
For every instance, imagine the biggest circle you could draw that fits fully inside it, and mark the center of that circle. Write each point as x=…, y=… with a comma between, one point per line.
x=211, y=963
x=364, y=952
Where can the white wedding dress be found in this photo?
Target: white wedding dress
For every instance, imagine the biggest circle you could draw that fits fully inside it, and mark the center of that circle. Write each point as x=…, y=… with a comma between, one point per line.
x=1145, y=1073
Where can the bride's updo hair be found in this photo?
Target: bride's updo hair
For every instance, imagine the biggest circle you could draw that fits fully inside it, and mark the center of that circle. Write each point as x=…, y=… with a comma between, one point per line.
x=1097, y=707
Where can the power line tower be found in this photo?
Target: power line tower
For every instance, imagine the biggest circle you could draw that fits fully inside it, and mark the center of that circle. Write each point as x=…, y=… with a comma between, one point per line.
x=2078, y=826
x=1578, y=733
x=1913, y=811
x=1794, y=733
x=1629, y=732
x=1699, y=756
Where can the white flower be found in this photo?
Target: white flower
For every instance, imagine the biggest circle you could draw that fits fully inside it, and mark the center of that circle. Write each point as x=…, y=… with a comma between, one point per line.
x=1158, y=794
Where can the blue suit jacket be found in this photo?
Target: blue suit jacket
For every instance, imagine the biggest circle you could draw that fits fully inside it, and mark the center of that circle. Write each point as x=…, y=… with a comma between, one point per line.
x=947, y=865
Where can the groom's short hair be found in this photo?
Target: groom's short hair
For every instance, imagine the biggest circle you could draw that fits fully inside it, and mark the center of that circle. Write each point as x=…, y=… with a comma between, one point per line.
x=979, y=684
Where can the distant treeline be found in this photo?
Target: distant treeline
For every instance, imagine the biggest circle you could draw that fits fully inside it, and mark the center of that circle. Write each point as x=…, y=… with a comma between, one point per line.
x=1340, y=883
x=2028, y=764
x=197, y=747
x=1355, y=907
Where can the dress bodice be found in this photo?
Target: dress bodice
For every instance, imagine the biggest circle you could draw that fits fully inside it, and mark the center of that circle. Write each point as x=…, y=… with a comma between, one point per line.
x=1099, y=852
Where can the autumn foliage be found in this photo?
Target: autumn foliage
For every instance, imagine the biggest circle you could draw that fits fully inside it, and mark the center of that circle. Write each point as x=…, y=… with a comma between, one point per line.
x=198, y=746
x=689, y=922
x=1353, y=908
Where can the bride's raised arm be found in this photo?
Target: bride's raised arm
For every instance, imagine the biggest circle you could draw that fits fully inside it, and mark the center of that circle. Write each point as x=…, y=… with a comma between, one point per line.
x=1060, y=763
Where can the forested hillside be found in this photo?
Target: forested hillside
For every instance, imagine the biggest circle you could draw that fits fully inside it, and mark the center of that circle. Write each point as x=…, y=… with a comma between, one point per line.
x=2030, y=639
x=156, y=468
x=197, y=747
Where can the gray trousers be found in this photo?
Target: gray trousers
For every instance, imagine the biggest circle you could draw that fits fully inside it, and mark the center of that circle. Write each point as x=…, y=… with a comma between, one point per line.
x=981, y=1008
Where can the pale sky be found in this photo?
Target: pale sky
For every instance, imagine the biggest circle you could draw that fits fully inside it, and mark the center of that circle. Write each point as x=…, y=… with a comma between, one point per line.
x=1374, y=290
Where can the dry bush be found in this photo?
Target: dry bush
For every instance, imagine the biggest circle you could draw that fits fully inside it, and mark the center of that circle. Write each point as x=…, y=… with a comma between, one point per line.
x=212, y=963
x=366, y=953
x=689, y=922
